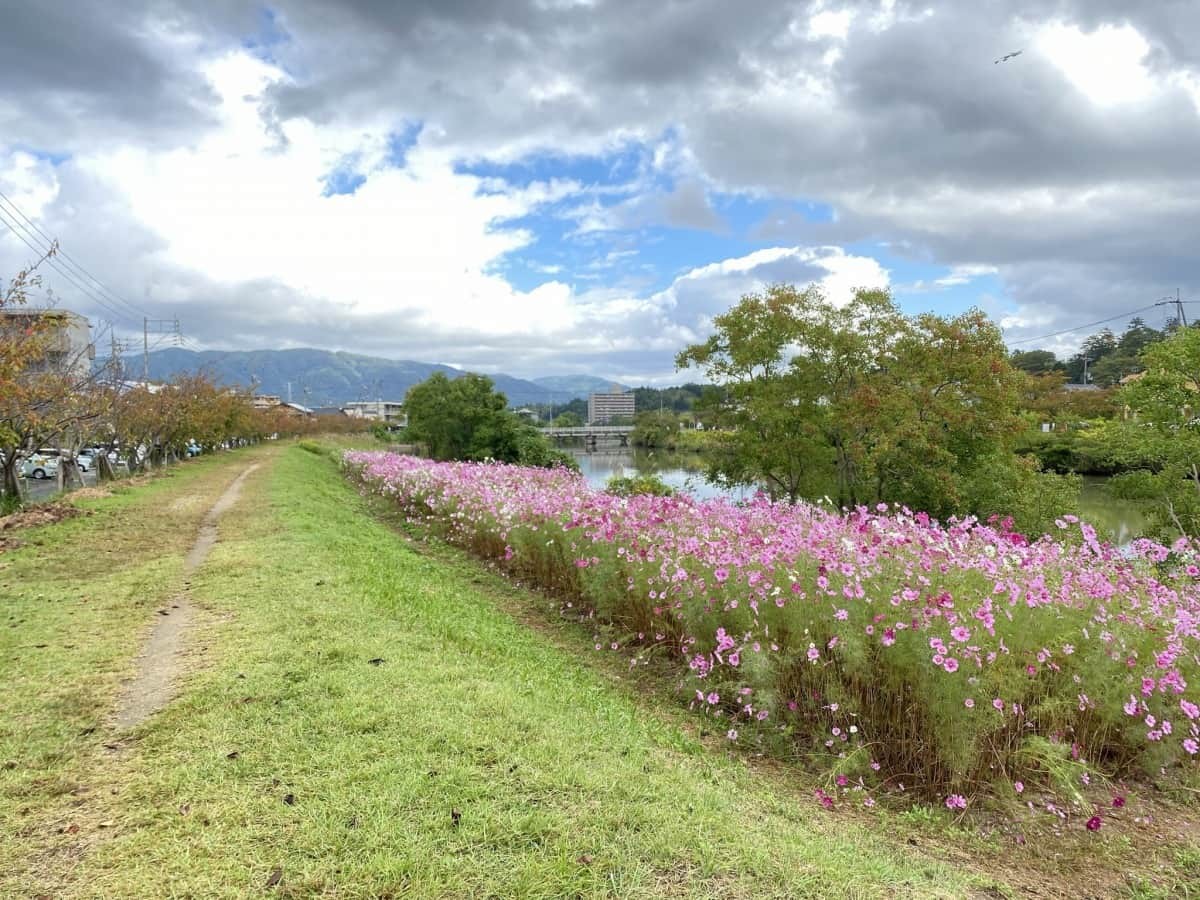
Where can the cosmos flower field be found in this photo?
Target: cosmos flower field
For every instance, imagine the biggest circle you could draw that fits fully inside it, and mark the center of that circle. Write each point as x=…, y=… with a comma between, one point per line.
x=954, y=660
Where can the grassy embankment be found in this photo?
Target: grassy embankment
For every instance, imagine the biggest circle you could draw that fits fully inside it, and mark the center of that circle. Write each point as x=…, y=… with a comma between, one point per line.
x=476, y=756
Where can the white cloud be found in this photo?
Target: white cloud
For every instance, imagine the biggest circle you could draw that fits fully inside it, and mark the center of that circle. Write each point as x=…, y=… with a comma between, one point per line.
x=242, y=204
x=1106, y=65
x=964, y=274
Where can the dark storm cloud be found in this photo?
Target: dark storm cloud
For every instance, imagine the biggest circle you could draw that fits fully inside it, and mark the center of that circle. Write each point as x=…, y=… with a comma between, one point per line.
x=73, y=75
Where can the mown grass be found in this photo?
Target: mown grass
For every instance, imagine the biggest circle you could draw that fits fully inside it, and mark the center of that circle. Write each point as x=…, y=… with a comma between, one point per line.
x=473, y=758
x=75, y=604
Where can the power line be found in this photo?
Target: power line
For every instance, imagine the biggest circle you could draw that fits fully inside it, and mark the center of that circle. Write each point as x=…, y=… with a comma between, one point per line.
x=10, y=213
x=70, y=260
x=50, y=261
x=1044, y=337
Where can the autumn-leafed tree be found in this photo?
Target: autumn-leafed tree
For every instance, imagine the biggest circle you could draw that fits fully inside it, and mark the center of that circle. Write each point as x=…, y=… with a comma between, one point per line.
x=49, y=393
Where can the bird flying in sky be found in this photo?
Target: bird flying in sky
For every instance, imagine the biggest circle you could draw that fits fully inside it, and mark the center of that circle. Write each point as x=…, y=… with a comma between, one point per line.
x=1007, y=56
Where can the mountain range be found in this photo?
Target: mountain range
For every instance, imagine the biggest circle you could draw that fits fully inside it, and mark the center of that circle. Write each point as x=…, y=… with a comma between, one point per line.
x=327, y=378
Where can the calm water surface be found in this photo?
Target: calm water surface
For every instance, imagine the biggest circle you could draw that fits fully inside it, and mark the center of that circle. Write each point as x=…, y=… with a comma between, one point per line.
x=1120, y=520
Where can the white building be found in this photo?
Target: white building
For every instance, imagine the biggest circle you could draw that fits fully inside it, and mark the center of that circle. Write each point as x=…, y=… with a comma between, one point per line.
x=69, y=346
x=604, y=407
x=389, y=412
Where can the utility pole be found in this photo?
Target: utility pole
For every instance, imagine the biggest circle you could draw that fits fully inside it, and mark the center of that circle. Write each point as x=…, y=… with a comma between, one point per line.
x=119, y=349
x=1177, y=302
x=158, y=326
x=1086, y=360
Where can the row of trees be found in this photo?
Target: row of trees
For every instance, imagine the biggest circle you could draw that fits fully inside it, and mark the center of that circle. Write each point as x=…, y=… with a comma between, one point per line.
x=47, y=399
x=1103, y=358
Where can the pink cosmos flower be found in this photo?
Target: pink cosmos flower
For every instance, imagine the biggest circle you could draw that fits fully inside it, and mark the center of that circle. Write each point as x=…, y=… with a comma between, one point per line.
x=956, y=801
x=969, y=703
x=1094, y=823
x=1190, y=745
x=1019, y=787
x=1118, y=801
x=950, y=665
x=961, y=633
x=998, y=705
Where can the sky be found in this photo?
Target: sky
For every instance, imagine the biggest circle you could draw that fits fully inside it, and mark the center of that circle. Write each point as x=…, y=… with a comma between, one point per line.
x=546, y=187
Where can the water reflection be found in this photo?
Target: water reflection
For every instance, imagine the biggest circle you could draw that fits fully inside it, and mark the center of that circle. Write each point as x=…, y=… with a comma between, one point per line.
x=1119, y=521
x=683, y=472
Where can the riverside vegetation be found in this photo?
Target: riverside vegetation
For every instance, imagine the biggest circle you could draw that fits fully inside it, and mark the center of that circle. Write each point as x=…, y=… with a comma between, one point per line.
x=366, y=713
x=957, y=661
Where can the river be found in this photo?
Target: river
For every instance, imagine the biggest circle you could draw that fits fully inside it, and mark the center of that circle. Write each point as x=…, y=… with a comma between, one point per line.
x=1119, y=520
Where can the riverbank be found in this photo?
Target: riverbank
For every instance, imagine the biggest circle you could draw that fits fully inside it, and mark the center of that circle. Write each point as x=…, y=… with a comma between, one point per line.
x=365, y=715
x=362, y=719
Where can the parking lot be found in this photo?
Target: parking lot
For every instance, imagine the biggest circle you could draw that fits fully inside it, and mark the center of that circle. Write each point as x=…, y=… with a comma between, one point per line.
x=37, y=490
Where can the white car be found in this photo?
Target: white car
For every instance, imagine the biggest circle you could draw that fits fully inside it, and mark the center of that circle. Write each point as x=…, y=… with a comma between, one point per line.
x=40, y=465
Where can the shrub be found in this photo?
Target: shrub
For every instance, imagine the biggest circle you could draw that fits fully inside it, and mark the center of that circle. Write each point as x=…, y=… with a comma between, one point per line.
x=627, y=486
x=954, y=657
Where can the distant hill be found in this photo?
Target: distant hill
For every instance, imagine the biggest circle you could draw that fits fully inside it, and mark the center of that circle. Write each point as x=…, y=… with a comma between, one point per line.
x=576, y=385
x=326, y=378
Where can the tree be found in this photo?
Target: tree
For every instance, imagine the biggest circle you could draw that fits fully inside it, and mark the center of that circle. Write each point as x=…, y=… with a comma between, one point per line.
x=466, y=418
x=1094, y=349
x=46, y=395
x=1166, y=401
x=1036, y=362
x=463, y=418
x=568, y=419
x=1137, y=337
x=861, y=400
x=771, y=412
x=655, y=429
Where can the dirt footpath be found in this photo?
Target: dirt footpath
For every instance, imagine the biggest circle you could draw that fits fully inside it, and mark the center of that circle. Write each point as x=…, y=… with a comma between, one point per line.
x=162, y=657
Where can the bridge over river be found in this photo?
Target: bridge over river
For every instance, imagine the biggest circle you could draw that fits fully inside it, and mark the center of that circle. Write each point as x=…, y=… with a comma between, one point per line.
x=591, y=435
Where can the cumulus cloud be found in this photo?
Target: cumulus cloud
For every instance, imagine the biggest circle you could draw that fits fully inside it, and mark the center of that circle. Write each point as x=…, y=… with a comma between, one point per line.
x=186, y=153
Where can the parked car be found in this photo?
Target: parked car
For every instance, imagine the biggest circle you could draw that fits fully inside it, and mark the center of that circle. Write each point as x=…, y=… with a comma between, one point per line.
x=192, y=449
x=42, y=464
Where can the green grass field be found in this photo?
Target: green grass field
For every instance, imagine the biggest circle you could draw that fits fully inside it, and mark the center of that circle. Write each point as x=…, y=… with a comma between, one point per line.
x=365, y=718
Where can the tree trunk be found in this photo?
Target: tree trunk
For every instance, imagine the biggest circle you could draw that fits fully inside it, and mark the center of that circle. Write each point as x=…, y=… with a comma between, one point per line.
x=104, y=469
x=11, y=486
x=70, y=474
